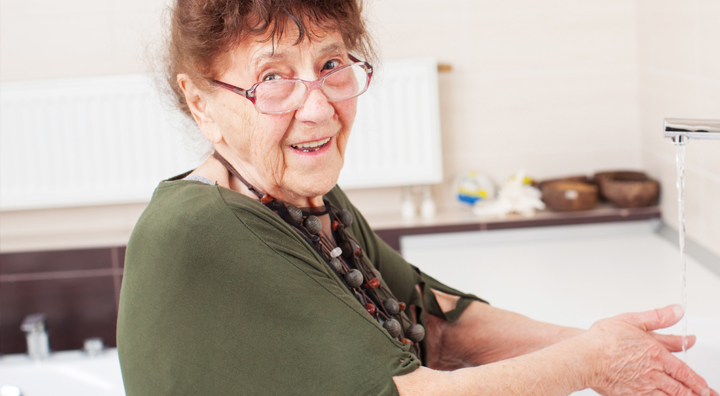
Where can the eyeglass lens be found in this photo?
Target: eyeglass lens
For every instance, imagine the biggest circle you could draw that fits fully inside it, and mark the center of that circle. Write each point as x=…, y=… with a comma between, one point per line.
x=276, y=96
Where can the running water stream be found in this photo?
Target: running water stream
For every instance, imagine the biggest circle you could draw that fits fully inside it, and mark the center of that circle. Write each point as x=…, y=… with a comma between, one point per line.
x=680, y=164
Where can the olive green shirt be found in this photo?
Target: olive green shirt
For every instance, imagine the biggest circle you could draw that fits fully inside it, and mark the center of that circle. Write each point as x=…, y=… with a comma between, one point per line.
x=221, y=297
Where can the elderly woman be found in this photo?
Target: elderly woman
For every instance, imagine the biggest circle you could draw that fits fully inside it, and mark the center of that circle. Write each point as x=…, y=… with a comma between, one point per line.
x=254, y=274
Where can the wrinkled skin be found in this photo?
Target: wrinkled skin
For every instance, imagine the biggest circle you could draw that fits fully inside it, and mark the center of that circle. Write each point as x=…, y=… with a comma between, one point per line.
x=637, y=361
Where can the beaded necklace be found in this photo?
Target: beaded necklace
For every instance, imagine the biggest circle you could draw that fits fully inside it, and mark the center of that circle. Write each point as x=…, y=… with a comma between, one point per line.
x=346, y=259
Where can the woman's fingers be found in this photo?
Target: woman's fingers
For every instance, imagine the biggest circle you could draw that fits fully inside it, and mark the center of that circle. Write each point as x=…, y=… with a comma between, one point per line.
x=680, y=372
x=656, y=319
x=673, y=343
x=673, y=387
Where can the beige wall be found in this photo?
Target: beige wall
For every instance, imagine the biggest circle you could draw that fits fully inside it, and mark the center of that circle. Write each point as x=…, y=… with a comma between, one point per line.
x=679, y=76
x=552, y=87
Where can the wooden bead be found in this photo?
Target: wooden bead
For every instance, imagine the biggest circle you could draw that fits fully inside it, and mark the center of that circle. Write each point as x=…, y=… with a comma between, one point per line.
x=354, y=278
x=402, y=306
x=374, y=283
x=370, y=308
x=391, y=306
x=295, y=213
x=416, y=332
x=345, y=217
x=336, y=265
x=393, y=327
x=347, y=249
x=313, y=224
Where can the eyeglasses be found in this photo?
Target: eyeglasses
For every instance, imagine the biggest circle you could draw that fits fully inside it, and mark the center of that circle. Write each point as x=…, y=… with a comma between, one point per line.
x=288, y=94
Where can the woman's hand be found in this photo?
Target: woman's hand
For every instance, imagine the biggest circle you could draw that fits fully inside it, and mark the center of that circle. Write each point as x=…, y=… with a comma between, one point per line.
x=637, y=361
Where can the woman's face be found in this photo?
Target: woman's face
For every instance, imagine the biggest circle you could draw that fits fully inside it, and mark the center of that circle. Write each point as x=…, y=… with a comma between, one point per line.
x=297, y=156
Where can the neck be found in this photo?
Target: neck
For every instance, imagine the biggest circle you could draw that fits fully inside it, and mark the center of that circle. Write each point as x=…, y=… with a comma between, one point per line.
x=237, y=179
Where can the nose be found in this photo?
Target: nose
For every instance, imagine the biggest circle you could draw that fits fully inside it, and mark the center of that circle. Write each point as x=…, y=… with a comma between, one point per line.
x=316, y=109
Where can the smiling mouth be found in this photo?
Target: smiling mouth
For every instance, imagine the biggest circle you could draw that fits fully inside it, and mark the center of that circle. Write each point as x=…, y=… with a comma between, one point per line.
x=310, y=146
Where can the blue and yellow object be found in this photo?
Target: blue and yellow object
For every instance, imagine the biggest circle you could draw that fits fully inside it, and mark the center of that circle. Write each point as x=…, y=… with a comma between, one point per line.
x=471, y=187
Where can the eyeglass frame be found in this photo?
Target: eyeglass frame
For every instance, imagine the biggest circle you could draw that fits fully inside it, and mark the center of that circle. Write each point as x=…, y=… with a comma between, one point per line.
x=249, y=93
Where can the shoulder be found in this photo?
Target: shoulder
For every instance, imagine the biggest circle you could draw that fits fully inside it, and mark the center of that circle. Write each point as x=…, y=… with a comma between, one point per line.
x=179, y=205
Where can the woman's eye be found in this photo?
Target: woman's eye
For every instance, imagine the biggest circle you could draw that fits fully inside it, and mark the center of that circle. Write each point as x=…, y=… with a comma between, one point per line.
x=331, y=64
x=269, y=77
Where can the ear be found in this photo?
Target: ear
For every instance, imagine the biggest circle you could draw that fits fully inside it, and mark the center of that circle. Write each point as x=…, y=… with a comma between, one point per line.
x=197, y=101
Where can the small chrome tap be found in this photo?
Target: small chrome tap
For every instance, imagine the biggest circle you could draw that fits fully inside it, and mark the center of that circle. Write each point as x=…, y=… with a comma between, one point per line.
x=38, y=346
x=681, y=129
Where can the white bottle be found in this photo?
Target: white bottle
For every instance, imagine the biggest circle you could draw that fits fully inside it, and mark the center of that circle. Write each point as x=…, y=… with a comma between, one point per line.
x=427, y=208
x=407, y=206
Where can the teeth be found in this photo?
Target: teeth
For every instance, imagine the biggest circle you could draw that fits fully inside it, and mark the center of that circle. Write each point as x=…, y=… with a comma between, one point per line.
x=311, y=144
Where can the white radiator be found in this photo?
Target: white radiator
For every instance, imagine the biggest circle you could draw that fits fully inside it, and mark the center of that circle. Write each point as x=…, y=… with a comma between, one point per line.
x=110, y=140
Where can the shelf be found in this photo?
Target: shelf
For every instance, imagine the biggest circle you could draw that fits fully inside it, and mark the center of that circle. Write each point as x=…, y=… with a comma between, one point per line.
x=392, y=227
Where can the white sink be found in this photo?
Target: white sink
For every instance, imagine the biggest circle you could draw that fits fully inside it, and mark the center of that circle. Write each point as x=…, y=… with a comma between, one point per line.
x=68, y=373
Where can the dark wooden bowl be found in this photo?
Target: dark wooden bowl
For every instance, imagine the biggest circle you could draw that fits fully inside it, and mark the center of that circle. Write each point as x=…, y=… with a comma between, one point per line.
x=564, y=196
x=601, y=177
x=628, y=192
x=581, y=179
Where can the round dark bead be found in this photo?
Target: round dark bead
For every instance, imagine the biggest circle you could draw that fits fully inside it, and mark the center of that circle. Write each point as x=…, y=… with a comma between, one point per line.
x=336, y=264
x=354, y=278
x=313, y=224
x=392, y=326
x=345, y=217
x=391, y=306
x=416, y=333
x=347, y=249
x=295, y=213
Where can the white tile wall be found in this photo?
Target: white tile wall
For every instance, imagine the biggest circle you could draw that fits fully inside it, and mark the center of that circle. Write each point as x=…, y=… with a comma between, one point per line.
x=679, y=76
x=557, y=87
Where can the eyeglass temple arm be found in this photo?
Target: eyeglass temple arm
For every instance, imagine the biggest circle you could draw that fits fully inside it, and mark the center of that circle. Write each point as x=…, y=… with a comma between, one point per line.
x=368, y=67
x=239, y=91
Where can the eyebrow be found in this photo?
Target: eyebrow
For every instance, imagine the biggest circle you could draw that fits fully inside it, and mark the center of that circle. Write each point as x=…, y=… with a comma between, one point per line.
x=280, y=56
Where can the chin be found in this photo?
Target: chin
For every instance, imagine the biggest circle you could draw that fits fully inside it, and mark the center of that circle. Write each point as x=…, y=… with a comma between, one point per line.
x=318, y=185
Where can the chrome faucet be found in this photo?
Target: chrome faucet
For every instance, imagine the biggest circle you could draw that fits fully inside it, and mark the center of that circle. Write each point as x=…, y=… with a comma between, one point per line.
x=681, y=129
x=38, y=346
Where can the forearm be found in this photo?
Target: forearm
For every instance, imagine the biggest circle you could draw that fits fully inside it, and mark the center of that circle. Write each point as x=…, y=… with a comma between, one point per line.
x=559, y=369
x=484, y=334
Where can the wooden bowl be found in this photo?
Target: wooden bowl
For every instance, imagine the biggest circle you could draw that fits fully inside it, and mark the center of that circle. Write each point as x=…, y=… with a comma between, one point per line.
x=581, y=179
x=626, y=191
x=564, y=196
x=601, y=177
